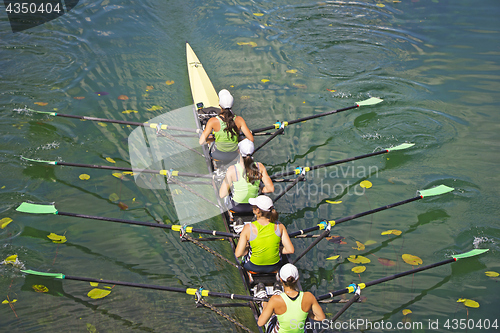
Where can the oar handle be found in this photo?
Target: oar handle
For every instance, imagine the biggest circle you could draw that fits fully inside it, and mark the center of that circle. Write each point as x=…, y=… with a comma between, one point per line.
x=313, y=244
x=275, y=134
x=289, y=187
x=104, y=120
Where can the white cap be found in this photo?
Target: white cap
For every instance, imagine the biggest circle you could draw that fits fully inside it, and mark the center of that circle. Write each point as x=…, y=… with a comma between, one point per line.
x=246, y=147
x=287, y=271
x=225, y=99
x=264, y=203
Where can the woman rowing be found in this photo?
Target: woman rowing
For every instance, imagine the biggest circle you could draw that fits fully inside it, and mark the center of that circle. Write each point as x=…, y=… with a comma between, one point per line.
x=245, y=178
x=226, y=129
x=291, y=307
x=261, y=239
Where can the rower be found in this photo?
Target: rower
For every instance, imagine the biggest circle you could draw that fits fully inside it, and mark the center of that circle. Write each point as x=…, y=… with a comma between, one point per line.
x=226, y=128
x=245, y=178
x=291, y=307
x=260, y=240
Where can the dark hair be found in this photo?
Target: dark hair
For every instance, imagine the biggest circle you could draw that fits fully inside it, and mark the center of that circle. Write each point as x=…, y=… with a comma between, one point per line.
x=290, y=283
x=272, y=215
x=228, y=117
x=251, y=170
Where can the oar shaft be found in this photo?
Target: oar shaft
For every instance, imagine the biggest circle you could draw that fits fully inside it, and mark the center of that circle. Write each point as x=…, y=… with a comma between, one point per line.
x=353, y=299
x=289, y=187
x=313, y=244
x=275, y=134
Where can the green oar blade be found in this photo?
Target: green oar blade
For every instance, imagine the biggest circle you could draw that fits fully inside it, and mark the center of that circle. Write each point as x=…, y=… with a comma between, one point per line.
x=401, y=146
x=369, y=101
x=36, y=111
x=438, y=190
x=38, y=161
x=31, y=208
x=52, y=275
x=471, y=253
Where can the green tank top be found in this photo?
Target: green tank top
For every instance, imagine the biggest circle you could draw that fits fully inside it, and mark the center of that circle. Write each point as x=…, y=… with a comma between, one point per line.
x=265, y=245
x=293, y=320
x=224, y=141
x=242, y=189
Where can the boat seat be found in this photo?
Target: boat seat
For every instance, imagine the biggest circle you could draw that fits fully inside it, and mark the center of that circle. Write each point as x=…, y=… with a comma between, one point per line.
x=265, y=278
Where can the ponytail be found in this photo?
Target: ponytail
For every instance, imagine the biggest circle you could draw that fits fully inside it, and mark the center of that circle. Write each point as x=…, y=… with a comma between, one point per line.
x=290, y=283
x=272, y=215
x=228, y=117
x=251, y=170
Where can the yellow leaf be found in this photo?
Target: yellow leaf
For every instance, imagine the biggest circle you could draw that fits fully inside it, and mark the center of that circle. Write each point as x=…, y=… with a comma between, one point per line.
x=365, y=184
x=84, y=176
x=94, y=284
x=370, y=242
x=128, y=173
x=41, y=103
x=264, y=80
x=98, y=293
x=149, y=88
x=102, y=124
x=252, y=44
x=392, y=232
x=358, y=259
x=468, y=302
x=118, y=175
x=130, y=111
x=7, y=302
x=300, y=85
x=411, y=259
x=40, y=288
x=11, y=259
x=110, y=160
x=333, y=257
x=258, y=14
x=380, y=5
x=334, y=202
x=3, y=187
x=292, y=71
x=169, y=82
x=5, y=222
x=108, y=287
x=406, y=311
x=461, y=300
x=155, y=108
x=360, y=247
x=359, y=269
x=490, y=273
x=57, y=238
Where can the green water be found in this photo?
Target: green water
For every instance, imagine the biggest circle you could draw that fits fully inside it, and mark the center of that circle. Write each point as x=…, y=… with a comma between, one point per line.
x=435, y=64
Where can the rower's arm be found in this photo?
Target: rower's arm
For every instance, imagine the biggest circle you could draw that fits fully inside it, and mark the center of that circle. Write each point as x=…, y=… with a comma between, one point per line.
x=244, y=128
x=226, y=184
x=268, y=183
x=317, y=312
x=287, y=242
x=267, y=312
x=206, y=132
x=241, y=248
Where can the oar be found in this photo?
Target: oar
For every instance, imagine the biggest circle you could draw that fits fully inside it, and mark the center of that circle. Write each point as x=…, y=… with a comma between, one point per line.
x=124, y=122
x=302, y=171
x=31, y=208
x=93, y=166
x=370, y=101
x=189, y=291
x=353, y=299
x=438, y=190
x=454, y=258
x=275, y=134
x=299, y=170
x=313, y=244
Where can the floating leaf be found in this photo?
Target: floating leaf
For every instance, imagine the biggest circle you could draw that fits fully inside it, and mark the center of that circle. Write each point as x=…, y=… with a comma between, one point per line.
x=131, y=173
x=155, y=108
x=334, y=202
x=365, y=184
x=169, y=82
x=57, y=238
x=252, y=44
x=84, y=176
x=264, y=80
x=122, y=206
x=331, y=90
x=490, y=273
x=335, y=239
x=123, y=97
x=79, y=97
x=258, y=14
x=380, y=5
x=94, y=284
x=10, y=259
x=359, y=269
x=9, y=302
x=130, y=111
x=245, y=97
x=98, y=293
x=392, y=232
x=292, y=71
x=333, y=257
x=102, y=124
x=358, y=259
x=91, y=328
x=110, y=160
x=5, y=222
x=370, y=242
x=118, y=175
x=101, y=93
x=149, y=88
x=41, y=103
x=113, y=197
x=468, y=302
x=40, y=288
x=386, y=262
x=360, y=247
x=300, y=85
x=411, y=259
x=406, y=312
